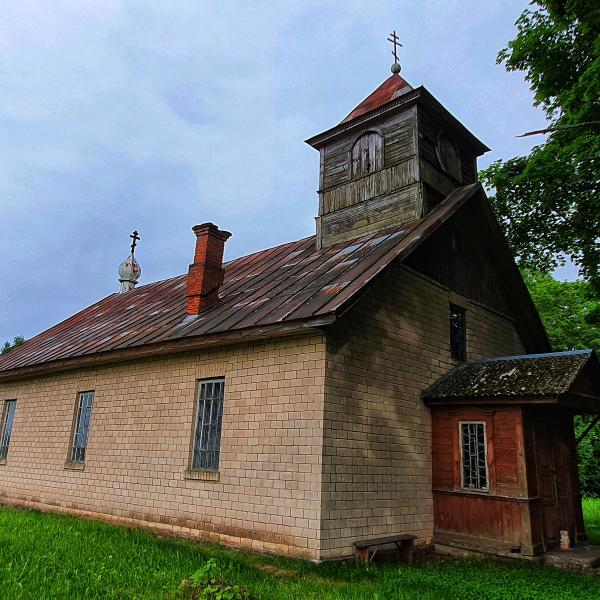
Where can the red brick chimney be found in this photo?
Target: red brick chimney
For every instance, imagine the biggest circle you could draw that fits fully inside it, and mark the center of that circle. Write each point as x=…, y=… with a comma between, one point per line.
x=205, y=275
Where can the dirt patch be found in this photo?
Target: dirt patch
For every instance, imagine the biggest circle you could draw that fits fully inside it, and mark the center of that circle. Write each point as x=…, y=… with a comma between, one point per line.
x=280, y=572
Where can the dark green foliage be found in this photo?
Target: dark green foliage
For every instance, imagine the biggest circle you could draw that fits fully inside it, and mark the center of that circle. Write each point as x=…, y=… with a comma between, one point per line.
x=8, y=346
x=588, y=453
x=50, y=557
x=570, y=311
x=207, y=584
x=548, y=203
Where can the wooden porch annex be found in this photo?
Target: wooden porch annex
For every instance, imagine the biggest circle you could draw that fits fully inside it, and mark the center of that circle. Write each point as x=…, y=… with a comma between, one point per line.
x=510, y=420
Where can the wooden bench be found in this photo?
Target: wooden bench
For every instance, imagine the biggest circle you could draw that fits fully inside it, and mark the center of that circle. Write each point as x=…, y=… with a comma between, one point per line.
x=405, y=542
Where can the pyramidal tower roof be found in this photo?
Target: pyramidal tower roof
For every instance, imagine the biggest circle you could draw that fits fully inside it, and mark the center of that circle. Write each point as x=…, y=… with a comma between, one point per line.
x=389, y=90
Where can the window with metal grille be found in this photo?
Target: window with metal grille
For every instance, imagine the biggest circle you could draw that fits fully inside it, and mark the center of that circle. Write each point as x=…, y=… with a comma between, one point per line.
x=458, y=333
x=207, y=431
x=474, y=456
x=82, y=426
x=10, y=406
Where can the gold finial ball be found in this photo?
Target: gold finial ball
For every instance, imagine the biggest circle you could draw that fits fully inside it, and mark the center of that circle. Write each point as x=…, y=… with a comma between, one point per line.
x=395, y=68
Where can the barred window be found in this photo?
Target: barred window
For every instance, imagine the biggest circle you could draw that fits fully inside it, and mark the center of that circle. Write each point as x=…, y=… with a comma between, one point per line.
x=10, y=406
x=458, y=333
x=207, y=431
x=82, y=426
x=474, y=456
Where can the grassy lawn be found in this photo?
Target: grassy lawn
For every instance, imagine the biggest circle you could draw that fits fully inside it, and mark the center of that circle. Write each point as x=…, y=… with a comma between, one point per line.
x=46, y=556
x=591, y=513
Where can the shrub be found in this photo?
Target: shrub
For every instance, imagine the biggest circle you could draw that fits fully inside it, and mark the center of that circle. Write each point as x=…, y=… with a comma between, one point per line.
x=207, y=584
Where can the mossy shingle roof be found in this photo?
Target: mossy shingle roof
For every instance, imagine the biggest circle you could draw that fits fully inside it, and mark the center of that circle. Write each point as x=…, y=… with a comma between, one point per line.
x=529, y=375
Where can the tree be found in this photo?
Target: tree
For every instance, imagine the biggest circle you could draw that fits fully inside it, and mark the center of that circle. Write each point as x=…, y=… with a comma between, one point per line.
x=8, y=346
x=548, y=202
x=570, y=311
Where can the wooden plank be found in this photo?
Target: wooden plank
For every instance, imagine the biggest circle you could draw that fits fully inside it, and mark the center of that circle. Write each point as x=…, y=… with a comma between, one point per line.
x=376, y=214
x=390, y=539
x=336, y=163
x=367, y=154
x=397, y=145
x=384, y=181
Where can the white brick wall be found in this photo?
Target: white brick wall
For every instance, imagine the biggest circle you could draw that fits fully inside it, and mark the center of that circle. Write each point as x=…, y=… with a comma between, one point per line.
x=268, y=493
x=377, y=440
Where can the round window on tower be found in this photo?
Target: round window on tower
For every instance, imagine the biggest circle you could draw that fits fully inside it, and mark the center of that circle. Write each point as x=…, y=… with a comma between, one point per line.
x=448, y=156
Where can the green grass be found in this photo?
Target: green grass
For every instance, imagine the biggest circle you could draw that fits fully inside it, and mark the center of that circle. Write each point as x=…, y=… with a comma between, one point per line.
x=591, y=514
x=45, y=556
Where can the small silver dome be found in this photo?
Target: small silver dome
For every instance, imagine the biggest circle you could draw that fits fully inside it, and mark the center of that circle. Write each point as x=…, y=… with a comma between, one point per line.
x=129, y=273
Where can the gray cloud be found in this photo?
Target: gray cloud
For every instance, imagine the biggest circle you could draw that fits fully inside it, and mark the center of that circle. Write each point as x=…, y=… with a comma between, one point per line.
x=121, y=114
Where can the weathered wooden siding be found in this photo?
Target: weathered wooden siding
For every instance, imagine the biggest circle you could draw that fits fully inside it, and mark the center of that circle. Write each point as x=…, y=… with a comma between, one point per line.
x=336, y=163
x=384, y=181
x=495, y=522
x=552, y=475
x=390, y=195
x=498, y=517
x=367, y=154
x=399, y=136
x=378, y=213
x=430, y=126
x=533, y=481
x=457, y=258
x=505, y=446
x=435, y=177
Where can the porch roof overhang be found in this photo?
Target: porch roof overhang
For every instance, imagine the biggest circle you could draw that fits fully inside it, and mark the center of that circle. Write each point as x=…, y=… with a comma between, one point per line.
x=570, y=380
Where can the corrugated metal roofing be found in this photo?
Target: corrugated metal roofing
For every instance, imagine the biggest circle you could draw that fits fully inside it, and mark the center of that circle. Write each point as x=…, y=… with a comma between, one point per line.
x=530, y=375
x=389, y=90
x=289, y=283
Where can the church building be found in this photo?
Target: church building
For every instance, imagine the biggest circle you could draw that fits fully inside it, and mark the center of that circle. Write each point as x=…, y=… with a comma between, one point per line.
x=388, y=375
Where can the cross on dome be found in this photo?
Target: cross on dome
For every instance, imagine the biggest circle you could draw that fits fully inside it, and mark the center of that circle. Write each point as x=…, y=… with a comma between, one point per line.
x=395, y=42
x=129, y=269
x=135, y=237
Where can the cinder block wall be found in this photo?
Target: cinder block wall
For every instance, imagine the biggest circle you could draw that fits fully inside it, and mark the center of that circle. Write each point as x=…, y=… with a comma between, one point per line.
x=377, y=431
x=268, y=493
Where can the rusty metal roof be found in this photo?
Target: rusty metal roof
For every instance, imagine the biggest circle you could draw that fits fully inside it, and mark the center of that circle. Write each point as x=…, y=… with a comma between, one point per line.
x=291, y=283
x=394, y=94
x=389, y=90
x=550, y=374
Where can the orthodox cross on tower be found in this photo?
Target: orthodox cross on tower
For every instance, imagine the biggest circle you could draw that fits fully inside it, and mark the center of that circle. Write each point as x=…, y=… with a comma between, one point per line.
x=135, y=237
x=394, y=40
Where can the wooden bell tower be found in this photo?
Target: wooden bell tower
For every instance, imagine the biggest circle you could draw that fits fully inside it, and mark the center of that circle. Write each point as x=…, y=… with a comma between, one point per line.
x=390, y=161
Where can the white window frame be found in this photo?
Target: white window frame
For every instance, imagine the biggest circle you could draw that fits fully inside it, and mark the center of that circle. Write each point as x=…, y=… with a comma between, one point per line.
x=4, y=434
x=77, y=451
x=199, y=422
x=485, y=454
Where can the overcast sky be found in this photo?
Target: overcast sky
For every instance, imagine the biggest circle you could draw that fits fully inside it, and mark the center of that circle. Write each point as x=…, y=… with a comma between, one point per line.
x=156, y=115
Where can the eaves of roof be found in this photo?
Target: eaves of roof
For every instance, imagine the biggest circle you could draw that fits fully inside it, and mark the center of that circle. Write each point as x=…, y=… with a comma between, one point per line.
x=548, y=378
x=279, y=291
x=419, y=95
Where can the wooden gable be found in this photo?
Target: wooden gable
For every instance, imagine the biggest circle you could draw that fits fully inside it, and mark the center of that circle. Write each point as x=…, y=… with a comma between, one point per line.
x=470, y=255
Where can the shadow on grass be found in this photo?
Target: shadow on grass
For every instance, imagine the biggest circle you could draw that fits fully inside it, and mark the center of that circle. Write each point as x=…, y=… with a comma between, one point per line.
x=49, y=557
